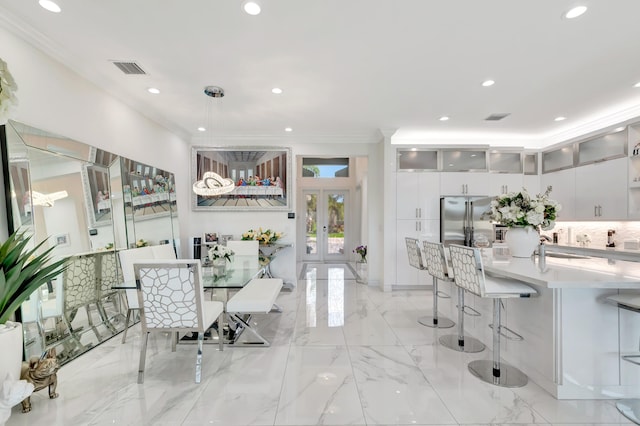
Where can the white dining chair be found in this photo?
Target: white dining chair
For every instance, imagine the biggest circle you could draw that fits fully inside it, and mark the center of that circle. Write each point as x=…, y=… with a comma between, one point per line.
x=171, y=299
x=244, y=247
x=127, y=259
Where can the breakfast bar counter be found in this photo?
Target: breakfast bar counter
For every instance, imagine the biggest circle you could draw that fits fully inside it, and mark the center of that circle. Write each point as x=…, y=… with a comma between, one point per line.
x=573, y=339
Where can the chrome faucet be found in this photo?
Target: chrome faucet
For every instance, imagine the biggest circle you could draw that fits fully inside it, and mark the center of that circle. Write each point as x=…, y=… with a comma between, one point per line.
x=544, y=238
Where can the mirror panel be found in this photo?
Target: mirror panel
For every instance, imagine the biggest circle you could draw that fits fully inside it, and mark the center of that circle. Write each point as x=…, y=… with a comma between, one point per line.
x=74, y=196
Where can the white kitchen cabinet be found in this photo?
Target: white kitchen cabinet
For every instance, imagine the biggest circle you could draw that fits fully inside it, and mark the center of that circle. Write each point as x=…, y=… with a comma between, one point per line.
x=406, y=275
x=601, y=190
x=563, y=185
x=503, y=183
x=465, y=183
x=418, y=195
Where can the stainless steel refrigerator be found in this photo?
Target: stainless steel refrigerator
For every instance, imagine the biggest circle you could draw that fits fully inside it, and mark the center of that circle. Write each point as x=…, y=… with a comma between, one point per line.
x=461, y=221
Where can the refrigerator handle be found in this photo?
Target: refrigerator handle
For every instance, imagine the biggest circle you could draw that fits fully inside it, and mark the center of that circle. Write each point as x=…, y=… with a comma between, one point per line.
x=465, y=223
x=470, y=221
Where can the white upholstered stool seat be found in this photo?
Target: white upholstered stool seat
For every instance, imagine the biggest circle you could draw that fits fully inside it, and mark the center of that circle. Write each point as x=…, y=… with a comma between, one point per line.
x=469, y=274
x=437, y=266
x=630, y=408
x=415, y=260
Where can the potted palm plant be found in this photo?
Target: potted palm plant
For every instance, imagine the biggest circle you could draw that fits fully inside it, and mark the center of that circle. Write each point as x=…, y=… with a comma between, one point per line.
x=22, y=271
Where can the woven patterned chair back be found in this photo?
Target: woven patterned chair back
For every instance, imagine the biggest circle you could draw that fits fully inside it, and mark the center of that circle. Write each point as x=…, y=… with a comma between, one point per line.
x=171, y=295
x=467, y=268
x=80, y=282
x=436, y=262
x=413, y=250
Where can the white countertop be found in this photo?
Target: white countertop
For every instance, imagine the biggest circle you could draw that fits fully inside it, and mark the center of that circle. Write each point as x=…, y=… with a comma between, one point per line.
x=565, y=273
x=606, y=252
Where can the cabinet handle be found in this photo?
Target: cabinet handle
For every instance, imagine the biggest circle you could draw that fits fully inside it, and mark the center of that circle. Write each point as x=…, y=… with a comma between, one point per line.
x=417, y=226
x=420, y=213
x=595, y=210
x=416, y=212
x=463, y=188
x=420, y=226
x=599, y=210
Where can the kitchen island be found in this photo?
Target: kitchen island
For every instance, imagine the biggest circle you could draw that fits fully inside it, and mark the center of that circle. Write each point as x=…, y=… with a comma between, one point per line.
x=573, y=339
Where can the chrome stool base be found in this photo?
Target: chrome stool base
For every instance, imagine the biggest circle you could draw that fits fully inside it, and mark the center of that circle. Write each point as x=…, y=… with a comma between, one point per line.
x=510, y=377
x=630, y=408
x=429, y=321
x=471, y=345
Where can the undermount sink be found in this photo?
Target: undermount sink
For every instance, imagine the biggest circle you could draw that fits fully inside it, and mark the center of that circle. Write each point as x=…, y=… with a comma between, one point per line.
x=566, y=255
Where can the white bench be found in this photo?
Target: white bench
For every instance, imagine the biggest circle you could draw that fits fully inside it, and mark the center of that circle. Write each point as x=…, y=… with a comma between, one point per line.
x=259, y=296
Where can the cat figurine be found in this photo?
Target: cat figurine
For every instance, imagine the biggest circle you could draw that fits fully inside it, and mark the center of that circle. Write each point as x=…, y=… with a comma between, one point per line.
x=41, y=372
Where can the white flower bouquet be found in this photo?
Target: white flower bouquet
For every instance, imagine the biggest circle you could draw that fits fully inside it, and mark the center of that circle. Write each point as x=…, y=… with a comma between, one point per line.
x=520, y=209
x=219, y=251
x=8, y=87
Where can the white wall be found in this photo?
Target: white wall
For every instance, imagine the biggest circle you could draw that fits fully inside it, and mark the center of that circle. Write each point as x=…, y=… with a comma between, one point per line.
x=53, y=98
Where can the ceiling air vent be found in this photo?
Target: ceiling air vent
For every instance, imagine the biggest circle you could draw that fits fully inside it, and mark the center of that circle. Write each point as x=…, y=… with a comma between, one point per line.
x=497, y=116
x=129, y=68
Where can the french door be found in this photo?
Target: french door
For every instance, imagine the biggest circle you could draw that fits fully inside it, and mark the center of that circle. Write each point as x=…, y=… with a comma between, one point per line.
x=326, y=224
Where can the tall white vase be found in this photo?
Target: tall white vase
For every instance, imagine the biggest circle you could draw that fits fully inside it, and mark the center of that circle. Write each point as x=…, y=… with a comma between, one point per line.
x=11, y=353
x=522, y=241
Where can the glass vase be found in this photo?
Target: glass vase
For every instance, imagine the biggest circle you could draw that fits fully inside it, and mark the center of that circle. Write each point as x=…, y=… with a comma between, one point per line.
x=362, y=272
x=219, y=266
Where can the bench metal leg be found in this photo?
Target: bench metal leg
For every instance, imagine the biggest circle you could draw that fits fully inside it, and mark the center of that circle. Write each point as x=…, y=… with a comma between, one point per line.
x=434, y=321
x=199, y=357
x=244, y=324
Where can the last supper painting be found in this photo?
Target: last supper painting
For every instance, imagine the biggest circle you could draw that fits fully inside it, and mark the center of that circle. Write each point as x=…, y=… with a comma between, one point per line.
x=233, y=178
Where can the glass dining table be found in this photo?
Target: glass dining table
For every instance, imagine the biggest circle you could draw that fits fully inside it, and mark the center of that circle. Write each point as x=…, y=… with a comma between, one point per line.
x=218, y=281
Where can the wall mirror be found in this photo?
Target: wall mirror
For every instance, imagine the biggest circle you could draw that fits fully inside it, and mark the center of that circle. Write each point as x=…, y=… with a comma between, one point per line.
x=72, y=195
x=261, y=177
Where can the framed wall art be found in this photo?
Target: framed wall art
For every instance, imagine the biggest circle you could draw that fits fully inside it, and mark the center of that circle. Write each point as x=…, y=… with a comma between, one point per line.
x=261, y=178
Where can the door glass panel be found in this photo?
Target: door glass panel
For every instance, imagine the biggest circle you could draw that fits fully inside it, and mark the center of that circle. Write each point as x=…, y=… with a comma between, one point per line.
x=312, y=223
x=335, y=223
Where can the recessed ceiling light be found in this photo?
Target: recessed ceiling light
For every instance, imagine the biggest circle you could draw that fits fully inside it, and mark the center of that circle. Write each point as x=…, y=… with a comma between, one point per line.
x=414, y=149
x=561, y=118
x=637, y=84
x=276, y=90
x=50, y=6
x=443, y=118
x=619, y=129
x=201, y=129
x=575, y=12
x=288, y=129
x=153, y=90
x=488, y=83
x=251, y=7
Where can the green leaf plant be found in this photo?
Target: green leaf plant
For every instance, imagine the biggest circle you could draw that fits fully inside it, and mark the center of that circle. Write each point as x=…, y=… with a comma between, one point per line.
x=23, y=271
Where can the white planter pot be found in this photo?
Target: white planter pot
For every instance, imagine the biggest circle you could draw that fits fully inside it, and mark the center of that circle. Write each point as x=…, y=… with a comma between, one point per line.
x=522, y=241
x=11, y=353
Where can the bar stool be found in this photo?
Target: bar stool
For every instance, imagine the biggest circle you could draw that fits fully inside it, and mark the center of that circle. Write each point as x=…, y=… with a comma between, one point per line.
x=468, y=273
x=415, y=260
x=437, y=266
x=630, y=408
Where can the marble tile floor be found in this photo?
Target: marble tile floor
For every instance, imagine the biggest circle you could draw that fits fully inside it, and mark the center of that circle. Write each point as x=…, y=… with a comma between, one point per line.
x=342, y=354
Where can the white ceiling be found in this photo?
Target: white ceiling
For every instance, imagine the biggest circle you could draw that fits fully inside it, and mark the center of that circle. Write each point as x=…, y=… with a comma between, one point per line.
x=351, y=67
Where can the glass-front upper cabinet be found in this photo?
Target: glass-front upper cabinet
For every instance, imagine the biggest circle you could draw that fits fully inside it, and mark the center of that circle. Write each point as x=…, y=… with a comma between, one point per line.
x=558, y=159
x=505, y=161
x=606, y=147
x=530, y=163
x=464, y=160
x=415, y=159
